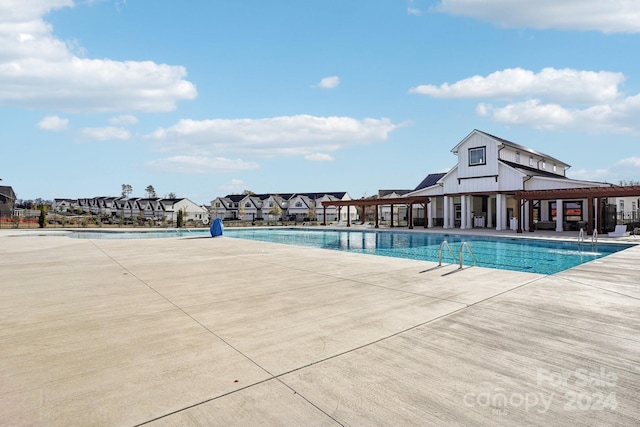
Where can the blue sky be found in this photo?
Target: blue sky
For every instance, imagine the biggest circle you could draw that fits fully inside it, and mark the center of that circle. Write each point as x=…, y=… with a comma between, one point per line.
x=210, y=97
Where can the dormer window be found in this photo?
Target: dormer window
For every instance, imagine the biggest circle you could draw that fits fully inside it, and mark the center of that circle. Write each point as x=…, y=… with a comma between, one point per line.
x=517, y=157
x=555, y=168
x=477, y=156
x=544, y=164
x=530, y=160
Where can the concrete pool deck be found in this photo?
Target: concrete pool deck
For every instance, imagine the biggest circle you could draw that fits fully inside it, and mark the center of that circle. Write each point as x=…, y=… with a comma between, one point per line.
x=201, y=331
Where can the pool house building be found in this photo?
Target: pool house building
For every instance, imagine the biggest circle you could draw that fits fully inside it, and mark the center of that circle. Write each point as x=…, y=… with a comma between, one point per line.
x=503, y=185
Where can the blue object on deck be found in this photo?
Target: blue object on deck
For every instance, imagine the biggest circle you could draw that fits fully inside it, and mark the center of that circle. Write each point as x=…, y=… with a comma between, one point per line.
x=216, y=228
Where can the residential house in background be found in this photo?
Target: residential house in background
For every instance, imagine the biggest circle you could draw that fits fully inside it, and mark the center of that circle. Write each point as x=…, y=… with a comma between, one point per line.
x=292, y=206
x=132, y=208
x=226, y=207
x=7, y=201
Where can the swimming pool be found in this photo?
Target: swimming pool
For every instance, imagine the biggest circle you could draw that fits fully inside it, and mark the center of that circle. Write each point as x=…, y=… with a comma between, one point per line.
x=504, y=253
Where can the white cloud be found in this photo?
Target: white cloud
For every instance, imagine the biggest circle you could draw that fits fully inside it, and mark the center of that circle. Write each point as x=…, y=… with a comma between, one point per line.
x=328, y=82
x=615, y=118
x=630, y=161
x=54, y=123
x=318, y=157
x=106, y=133
x=556, y=85
x=123, y=120
x=553, y=99
x=235, y=186
x=200, y=165
x=612, y=16
x=287, y=135
x=589, y=175
x=37, y=70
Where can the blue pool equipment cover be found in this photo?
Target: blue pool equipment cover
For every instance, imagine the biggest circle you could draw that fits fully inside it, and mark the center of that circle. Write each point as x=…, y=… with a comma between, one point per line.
x=216, y=228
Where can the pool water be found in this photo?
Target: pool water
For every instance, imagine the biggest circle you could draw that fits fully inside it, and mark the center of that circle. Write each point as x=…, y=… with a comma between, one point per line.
x=517, y=254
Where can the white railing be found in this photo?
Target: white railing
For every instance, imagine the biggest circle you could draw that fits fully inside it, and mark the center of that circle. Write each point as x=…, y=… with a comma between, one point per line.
x=445, y=244
x=466, y=245
x=463, y=245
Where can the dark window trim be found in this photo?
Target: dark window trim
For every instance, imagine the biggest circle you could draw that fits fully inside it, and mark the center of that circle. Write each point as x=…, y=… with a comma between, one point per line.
x=484, y=157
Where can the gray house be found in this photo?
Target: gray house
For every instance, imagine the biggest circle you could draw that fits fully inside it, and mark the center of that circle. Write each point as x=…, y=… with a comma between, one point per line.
x=7, y=201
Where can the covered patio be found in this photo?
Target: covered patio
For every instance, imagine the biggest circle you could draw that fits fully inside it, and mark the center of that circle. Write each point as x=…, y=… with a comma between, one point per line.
x=593, y=195
x=408, y=201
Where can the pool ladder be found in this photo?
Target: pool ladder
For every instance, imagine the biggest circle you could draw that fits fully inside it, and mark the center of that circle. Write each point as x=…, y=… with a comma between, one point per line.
x=594, y=237
x=463, y=245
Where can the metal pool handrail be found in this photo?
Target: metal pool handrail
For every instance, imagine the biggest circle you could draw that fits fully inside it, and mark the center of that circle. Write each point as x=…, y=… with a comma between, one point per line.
x=466, y=245
x=445, y=244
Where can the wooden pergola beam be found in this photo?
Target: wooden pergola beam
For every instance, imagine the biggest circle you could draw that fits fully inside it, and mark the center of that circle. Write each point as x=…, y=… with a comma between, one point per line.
x=378, y=202
x=579, y=193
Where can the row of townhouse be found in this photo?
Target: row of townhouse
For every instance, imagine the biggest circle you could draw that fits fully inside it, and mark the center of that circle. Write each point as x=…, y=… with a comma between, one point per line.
x=123, y=207
x=287, y=206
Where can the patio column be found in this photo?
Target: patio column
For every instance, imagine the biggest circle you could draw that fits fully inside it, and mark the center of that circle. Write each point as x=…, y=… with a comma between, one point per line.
x=590, y=215
x=392, y=216
x=490, y=212
x=500, y=214
x=559, y=213
x=376, y=214
x=445, y=223
x=429, y=214
x=520, y=216
x=324, y=215
x=598, y=220
x=463, y=213
x=410, y=216
x=348, y=216
x=531, y=224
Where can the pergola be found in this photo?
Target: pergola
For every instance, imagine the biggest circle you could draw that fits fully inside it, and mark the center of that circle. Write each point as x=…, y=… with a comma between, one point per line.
x=589, y=193
x=409, y=201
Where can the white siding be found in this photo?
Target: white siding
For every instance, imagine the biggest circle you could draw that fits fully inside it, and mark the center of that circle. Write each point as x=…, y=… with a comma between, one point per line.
x=491, y=157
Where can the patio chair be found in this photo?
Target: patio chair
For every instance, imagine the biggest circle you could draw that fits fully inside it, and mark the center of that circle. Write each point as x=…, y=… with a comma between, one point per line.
x=620, y=231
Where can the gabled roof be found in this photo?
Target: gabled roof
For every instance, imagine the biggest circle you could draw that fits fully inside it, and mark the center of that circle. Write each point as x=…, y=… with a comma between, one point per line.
x=235, y=197
x=430, y=180
x=389, y=193
x=510, y=144
x=319, y=195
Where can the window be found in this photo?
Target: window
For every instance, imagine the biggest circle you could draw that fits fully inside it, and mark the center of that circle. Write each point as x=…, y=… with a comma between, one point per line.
x=572, y=211
x=530, y=160
x=544, y=164
x=477, y=157
x=247, y=205
x=555, y=168
x=517, y=157
x=298, y=204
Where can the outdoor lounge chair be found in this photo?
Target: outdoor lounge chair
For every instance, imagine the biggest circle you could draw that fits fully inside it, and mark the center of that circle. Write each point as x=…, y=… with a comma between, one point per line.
x=620, y=231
